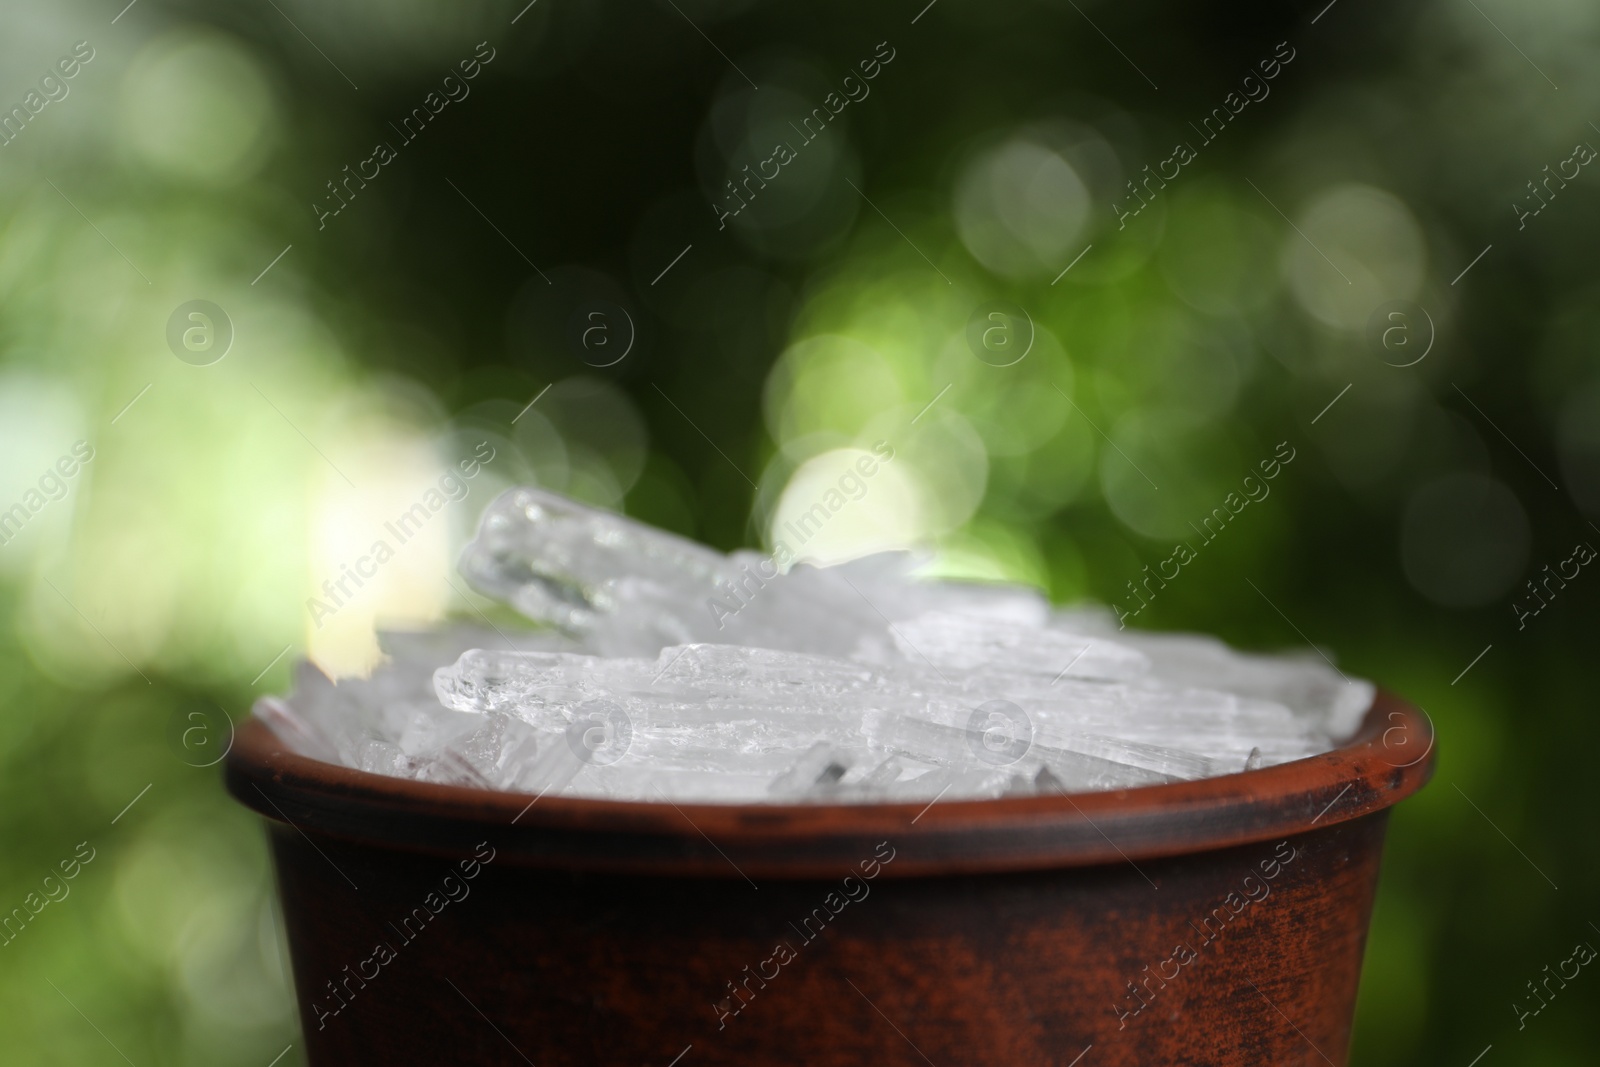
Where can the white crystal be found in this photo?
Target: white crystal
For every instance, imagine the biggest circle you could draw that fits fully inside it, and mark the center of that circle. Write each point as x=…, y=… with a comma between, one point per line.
x=669, y=671
x=947, y=641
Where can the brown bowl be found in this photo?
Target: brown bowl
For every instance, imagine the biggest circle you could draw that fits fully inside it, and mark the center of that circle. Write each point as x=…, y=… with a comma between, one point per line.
x=1220, y=921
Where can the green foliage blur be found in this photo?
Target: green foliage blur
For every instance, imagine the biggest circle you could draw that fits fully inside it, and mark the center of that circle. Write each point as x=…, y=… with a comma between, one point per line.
x=1182, y=316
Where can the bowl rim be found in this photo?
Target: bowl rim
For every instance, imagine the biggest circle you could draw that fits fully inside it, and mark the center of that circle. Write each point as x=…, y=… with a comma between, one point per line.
x=1390, y=757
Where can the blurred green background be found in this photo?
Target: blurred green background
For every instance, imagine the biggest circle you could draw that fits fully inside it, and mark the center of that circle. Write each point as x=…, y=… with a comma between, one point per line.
x=1442, y=458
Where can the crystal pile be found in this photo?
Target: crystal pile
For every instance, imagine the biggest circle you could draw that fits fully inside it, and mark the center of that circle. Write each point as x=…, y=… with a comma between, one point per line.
x=664, y=670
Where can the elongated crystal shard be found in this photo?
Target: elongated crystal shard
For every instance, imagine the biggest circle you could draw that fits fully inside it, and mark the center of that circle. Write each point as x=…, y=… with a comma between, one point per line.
x=665, y=670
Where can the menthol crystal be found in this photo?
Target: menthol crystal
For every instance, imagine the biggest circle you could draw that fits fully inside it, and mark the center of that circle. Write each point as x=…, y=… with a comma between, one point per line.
x=655, y=668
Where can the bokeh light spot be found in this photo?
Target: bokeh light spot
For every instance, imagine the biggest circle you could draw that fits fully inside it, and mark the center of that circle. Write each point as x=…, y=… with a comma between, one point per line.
x=197, y=107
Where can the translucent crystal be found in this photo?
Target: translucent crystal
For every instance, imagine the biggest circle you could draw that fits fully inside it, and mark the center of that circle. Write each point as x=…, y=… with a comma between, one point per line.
x=669, y=671
x=1304, y=681
x=818, y=770
x=730, y=708
x=628, y=589
x=949, y=642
